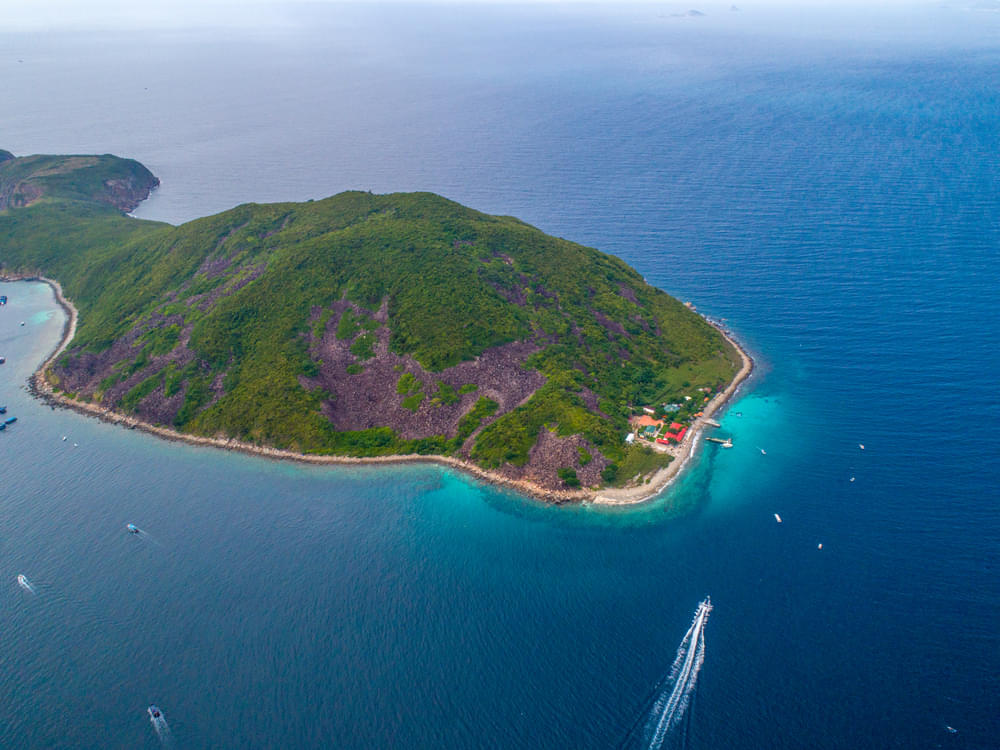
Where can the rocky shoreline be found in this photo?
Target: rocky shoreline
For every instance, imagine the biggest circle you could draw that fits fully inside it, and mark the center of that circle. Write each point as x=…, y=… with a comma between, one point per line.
x=40, y=387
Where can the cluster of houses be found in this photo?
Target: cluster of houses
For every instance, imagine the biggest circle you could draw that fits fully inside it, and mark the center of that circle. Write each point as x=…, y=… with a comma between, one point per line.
x=664, y=430
x=657, y=430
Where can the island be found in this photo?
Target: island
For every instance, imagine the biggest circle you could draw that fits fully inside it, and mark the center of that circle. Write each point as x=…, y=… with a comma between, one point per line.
x=364, y=327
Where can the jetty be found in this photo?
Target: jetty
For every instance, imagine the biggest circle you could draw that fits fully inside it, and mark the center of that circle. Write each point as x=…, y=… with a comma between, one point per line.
x=727, y=443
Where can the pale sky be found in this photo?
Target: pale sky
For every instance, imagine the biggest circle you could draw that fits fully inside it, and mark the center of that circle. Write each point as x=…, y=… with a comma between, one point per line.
x=41, y=15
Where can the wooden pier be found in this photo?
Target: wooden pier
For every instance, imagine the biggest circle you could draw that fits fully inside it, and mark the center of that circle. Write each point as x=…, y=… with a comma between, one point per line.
x=727, y=443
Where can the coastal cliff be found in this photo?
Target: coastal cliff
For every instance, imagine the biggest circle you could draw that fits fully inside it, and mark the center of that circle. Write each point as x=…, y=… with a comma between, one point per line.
x=121, y=184
x=361, y=326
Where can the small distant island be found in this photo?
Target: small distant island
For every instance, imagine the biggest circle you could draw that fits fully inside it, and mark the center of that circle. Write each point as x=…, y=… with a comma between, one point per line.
x=364, y=327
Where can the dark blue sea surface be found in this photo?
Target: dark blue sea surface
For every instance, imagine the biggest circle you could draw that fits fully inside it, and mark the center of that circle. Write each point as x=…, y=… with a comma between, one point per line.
x=831, y=190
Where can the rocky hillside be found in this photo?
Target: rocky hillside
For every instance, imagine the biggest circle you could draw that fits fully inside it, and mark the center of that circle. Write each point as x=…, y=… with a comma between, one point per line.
x=365, y=325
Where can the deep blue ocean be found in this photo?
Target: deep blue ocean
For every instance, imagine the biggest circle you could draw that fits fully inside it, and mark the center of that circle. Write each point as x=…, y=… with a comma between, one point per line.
x=829, y=184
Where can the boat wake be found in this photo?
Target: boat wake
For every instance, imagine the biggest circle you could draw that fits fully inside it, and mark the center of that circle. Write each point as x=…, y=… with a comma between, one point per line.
x=675, y=697
x=138, y=533
x=162, y=729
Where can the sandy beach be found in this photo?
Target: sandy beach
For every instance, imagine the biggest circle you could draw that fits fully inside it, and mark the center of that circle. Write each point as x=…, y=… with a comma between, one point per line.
x=42, y=388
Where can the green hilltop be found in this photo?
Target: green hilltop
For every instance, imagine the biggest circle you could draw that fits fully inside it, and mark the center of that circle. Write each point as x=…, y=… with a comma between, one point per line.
x=359, y=325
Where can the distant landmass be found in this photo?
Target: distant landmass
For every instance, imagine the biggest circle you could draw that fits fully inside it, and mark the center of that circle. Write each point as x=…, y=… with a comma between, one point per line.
x=359, y=326
x=120, y=183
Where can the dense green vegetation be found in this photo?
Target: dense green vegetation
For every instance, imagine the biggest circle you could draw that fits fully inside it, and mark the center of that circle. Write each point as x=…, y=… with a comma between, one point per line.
x=568, y=477
x=469, y=423
x=243, y=293
x=408, y=384
x=445, y=394
x=638, y=461
x=553, y=406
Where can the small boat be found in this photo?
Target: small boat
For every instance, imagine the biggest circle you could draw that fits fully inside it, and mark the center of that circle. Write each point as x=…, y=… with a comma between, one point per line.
x=951, y=729
x=64, y=438
x=3, y=409
x=10, y=420
x=154, y=713
x=132, y=528
x=819, y=546
x=2, y=360
x=777, y=518
x=861, y=446
x=22, y=322
x=852, y=479
x=763, y=452
x=3, y=425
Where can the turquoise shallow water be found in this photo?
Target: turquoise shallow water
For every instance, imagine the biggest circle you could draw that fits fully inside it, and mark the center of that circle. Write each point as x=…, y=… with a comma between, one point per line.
x=833, y=197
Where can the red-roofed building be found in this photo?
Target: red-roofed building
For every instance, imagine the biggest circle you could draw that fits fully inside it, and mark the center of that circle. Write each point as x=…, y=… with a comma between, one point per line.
x=678, y=436
x=674, y=426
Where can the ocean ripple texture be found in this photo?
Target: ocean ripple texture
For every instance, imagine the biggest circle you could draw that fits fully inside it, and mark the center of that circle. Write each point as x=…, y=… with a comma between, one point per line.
x=830, y=188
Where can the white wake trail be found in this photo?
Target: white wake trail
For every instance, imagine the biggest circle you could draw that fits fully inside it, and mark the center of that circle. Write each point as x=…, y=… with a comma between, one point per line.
x=163, y=731
x=669, y=707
